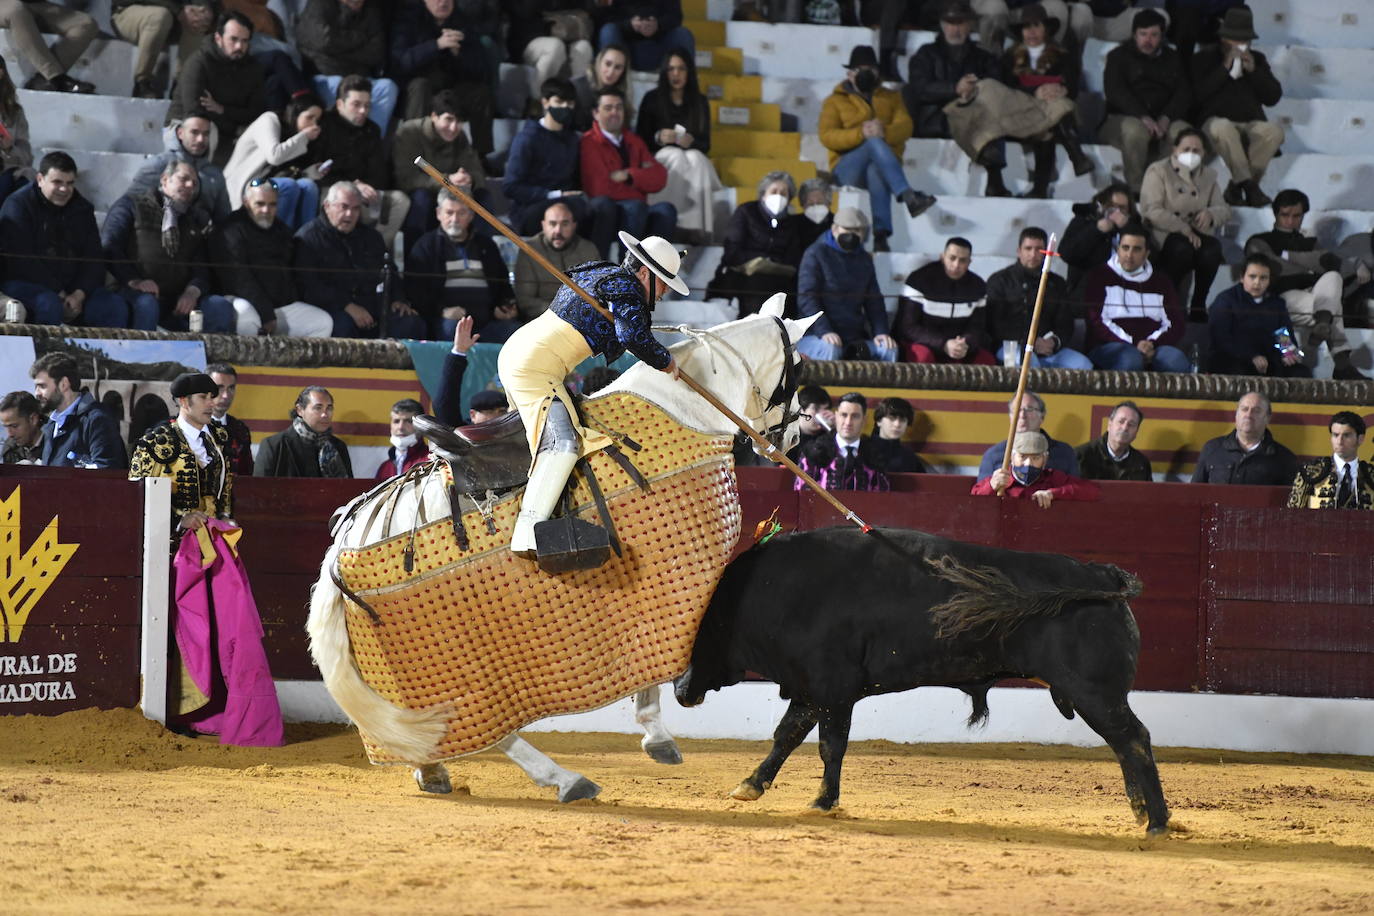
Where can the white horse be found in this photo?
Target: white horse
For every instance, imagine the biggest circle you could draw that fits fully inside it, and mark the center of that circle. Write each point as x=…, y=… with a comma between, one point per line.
x=743, y=364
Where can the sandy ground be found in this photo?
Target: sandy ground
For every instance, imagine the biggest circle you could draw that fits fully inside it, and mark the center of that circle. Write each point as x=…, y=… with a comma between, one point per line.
x=103, y=812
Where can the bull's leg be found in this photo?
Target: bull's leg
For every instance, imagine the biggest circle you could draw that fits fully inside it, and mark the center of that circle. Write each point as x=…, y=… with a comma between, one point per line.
x=658, y=742
x=1130, y=741
x=538, y=767
x=792, y=729
x=834, y=742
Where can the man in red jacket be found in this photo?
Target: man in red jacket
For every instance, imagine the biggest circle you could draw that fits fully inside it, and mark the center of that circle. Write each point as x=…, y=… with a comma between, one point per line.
x=1030, y=479
x=617, y=164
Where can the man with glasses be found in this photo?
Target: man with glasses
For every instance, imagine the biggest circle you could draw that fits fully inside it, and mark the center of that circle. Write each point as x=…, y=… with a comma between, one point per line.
x=1032, y=417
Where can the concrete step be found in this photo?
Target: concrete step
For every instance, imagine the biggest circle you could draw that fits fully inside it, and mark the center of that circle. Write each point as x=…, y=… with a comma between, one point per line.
x=707, y=32
x=1341, y=127
x=1329, y=24
x=1325, y=73
x=732, y=89
x=109, y=63
x=720, y=60
x=102, y=177
x=61, y=120
x=744, y=173
x=753, y=115
x=757, y=144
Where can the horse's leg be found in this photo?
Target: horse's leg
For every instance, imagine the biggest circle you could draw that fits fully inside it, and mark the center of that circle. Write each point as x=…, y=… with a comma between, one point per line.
x=433, y=777
x=792, y=729
x=1128, y=738
x=538, y=767
x=658, y=742
x=834, y=742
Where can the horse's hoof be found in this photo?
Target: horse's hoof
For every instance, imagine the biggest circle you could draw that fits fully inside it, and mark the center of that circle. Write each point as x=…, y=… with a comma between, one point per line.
x=747, y=791
x=583, y=788
x=433, y=778
x=663, y=752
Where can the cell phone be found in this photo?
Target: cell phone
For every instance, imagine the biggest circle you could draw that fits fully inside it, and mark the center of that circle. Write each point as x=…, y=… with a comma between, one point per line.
x=326, y=166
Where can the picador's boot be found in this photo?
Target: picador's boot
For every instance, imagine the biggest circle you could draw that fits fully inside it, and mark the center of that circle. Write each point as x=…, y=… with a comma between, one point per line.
x=1044, y=171
x=547, y=480
x=1067, y=136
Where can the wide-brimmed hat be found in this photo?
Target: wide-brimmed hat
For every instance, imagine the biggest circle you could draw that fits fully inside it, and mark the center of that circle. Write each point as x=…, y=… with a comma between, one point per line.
x=957, y=11
x=862, y=56
x=1238, y=25
x=1033, y=14
x=659, y=255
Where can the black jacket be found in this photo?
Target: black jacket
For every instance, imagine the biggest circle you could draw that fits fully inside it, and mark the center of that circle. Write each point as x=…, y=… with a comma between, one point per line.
x=339, y=41
x=1224, y=461
x=286, y=454
x=89, y=435
x=694, y=114
x=436, y=262
x=1242, y=329
x=36, y=236
x=415, y=52
x=933, y=308
x=334, y=269
x=754, y=233
x=891, y=457
x=254, y=263
x=1142, y=86
x=133, y=245
x=1095, y=462
x=1216, y=95
x=1084, y=247
x=357, y=152
x=934, y=71
x=1011, y=296
x=239, y=85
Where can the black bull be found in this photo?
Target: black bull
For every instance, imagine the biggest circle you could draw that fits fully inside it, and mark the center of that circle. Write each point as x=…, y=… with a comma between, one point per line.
x=836, y=615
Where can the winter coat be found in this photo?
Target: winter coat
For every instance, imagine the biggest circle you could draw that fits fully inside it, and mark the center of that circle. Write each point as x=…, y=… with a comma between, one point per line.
x=1169, y=195
x=933, y=309
x=418, y=137
x=238, y=85
x=416, y=53
x=599, y=157
x=37, y=238
x=214, y=197
x=844, y=111
x=258, y=152
x=1298, y=262
x=1056, y=65
x=1141, y=86
x=540, y=161
x=1224, y=460
x=1095, y=462
x=1217, y=95
x=843, y=287
x=1011, y=294
x=1061, y=457
x=133, y=245
x=693, y=114
x=935, y=70
x=1062, y=485
x=753, y=232
x=1242, y=328
x=357, y=152
x=254, y=263
x=340, y=42
x=1084, y=246
x=88, y=435
x=334, y=269
x=442, y=273
x=286, y=454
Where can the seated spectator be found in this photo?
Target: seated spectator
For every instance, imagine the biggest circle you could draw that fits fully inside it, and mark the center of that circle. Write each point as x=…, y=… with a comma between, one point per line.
x=252, y=252
x=1232, y=85
x=149, y=23
x=406, y=449
x=815, y=197
x=23, y=419
x=1029, y=420
x=430, y=50
x=453, y=272
x=560, y=245
x=308, y=447
x=1181, y=202
x=943, y=70
x=1011, y=295
x=16, y=153
x=1251, y=331
x=1091, y=236
x=78, y=434
x=815, y=418
x=488, y=404
x=446, y=395
x=941, y=316
x=26, y=21
x=763, y=248
x=1146, y=85
x=343, y=37
x=1195, y=22
x=155, y=244
x=1310, y=280
x=610, y=70
x=542, y=166
x=844, y=461
x=550, y=37
x=239, y=450
x=675, y=121
x=1340, y=481
x=341, y=267
x=1045, y=71
x=263, y=153
x=52, y=255
x=866, y=127
x=891, y=419
x=352, y=145
x=1357, y=253
x=1111, y=455
x=439, y=138
x=190, y=140
x=1249, y=454
x=649, y=28
x=837, y=280
x=1134, y=318
x=616, y=164
x=1029, y=478
x=223, y=80
x=1072, y=21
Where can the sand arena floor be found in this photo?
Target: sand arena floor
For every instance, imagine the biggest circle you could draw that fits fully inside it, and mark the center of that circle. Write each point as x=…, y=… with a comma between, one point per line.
x=103, y=812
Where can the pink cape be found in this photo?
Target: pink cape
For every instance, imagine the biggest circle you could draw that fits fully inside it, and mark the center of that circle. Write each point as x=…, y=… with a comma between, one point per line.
x=217, y=621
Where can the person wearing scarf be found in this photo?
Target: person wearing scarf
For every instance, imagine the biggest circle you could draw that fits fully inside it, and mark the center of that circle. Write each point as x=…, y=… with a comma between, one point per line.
x=308, y=447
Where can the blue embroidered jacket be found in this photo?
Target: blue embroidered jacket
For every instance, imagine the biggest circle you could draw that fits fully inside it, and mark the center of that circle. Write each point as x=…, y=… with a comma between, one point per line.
x=622, y=293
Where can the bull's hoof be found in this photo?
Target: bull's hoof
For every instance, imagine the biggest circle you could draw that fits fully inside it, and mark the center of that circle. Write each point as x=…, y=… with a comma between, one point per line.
x=433, y=778
x=823, y=805
x=747, y=791
x=662, y=751
x=583, y=788
x=1157, y=830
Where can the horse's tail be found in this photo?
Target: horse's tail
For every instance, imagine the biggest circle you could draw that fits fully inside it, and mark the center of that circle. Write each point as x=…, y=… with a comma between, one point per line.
x=987, y=602
x=408, y=734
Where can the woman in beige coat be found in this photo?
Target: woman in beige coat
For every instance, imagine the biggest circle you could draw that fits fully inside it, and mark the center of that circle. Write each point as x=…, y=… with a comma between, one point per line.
x=1181, y=201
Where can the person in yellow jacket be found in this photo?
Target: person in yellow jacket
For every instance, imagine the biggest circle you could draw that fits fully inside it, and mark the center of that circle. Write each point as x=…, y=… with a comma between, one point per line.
x=865, y=127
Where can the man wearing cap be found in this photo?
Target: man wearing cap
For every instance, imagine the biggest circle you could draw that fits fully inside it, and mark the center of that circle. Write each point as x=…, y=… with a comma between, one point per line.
x=191, y=451
x=1339, y=480
x=946, y=69
x=866, y=127
x=536, y=358
x=487, y=404
x=836, y=279
x=1148, y=97
x=1030, y=479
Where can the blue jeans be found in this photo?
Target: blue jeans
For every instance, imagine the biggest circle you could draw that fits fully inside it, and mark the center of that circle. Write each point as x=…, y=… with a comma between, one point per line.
x=1124, y=357
x=1066, y=358
x=385, y=95
x=641, y=220
x=872, y=165
x=102, y=309
x=217, y=315
x=400, y=327
x=298, y=200
x=647, y=53
x=813, y=347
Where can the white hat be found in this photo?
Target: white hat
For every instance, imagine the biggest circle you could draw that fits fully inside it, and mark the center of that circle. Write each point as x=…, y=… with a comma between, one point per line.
x=659, y=255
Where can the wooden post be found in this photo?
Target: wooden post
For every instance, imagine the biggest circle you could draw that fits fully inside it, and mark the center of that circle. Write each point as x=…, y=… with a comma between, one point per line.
x=1026, y=354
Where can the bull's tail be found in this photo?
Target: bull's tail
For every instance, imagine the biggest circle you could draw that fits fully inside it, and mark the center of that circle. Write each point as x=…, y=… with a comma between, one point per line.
x=986, y=602
x=408, y=734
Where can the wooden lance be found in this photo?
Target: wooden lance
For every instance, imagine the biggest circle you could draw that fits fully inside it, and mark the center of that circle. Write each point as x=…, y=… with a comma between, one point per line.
x=767, y=448
x=1026, y=354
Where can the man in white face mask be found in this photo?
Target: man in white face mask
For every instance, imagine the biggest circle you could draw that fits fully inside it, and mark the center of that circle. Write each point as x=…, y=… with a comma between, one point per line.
x=407, y=449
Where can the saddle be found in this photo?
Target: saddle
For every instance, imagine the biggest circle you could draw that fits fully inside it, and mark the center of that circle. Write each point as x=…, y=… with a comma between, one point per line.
x=494, y=455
